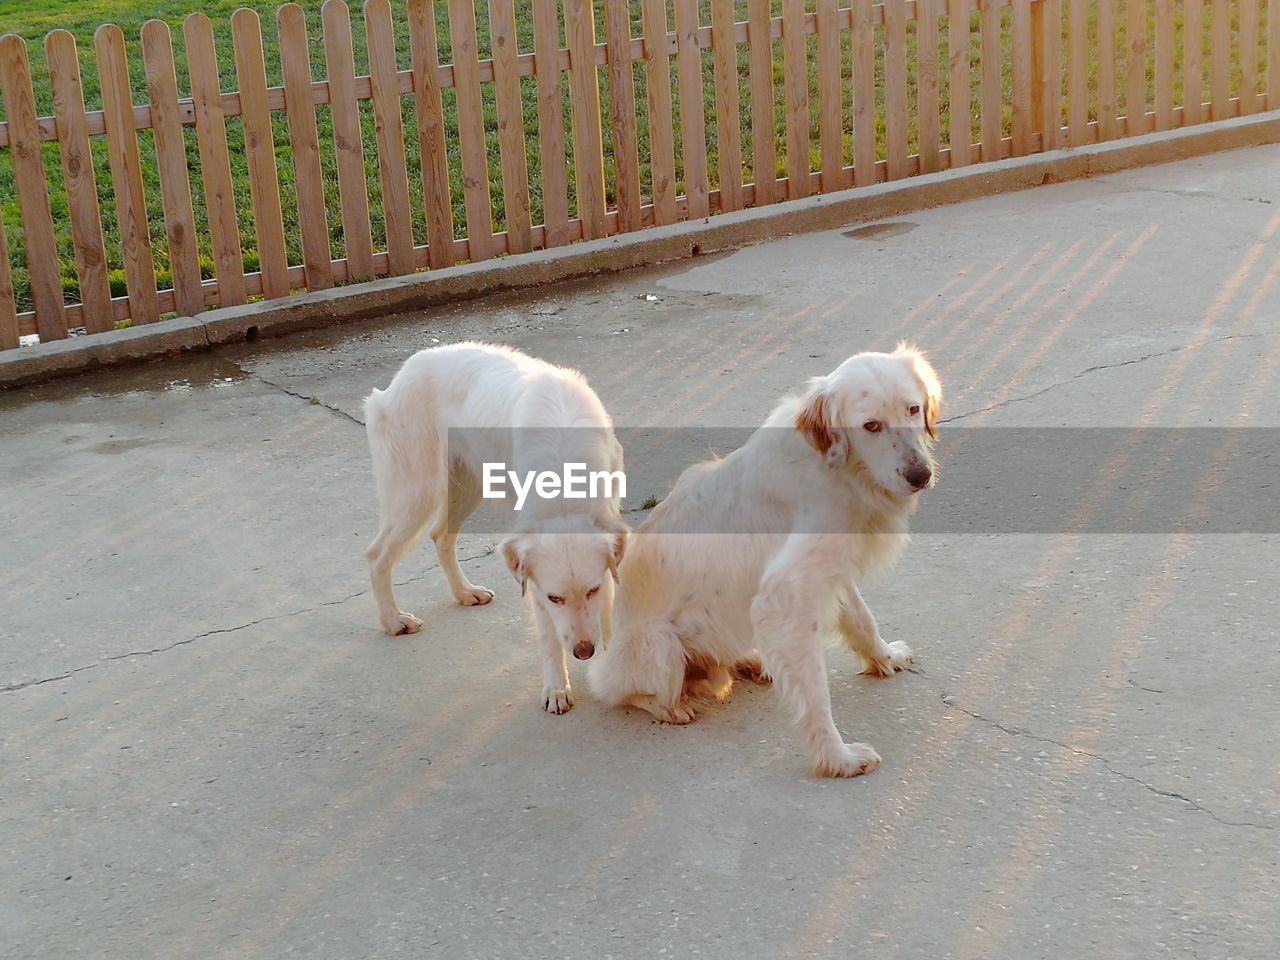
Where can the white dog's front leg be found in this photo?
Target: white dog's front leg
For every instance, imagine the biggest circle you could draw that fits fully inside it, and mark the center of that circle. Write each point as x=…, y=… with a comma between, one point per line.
x=787, y=617
x=858, y=629
x=557, y=698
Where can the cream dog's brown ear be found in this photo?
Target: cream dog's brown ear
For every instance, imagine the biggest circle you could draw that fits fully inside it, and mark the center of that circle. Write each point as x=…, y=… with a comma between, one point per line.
x=815, y=422
x=514, y=550
x=929, y=383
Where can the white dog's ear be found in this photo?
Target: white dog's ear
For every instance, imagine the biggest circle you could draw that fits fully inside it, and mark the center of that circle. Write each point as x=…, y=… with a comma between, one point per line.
x=515, y=550
x=929, y=383
x=619, y=531
x=815, y=422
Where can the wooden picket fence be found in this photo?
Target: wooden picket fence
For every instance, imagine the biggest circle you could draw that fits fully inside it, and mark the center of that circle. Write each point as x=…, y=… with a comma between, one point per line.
x=888, y=77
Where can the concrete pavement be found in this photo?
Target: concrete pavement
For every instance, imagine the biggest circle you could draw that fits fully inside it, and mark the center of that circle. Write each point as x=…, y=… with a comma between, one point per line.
x=209, y=750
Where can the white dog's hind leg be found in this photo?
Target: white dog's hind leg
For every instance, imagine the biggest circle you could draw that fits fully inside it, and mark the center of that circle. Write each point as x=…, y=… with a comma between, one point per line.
x=463, y=500
x=557, y=697
x=786, y=615
x=643, y=667
x=401, y=528
x=858, y=630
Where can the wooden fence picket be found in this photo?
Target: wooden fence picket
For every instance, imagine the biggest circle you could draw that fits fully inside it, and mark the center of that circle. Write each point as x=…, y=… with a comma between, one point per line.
x=626, y=159
x=171, y=166
x=1077, y=72
x=432, y=133
x=304, y=140
x=764, y=158
x=657, y=81
x=215, y=160
x=959, y=83
x=1248, y=55
x=82, y=189
x=475, y=165
x=693, y=131
x=260, y=151
x=348, y=147
x=1051, y=84
x=1273, y=54
x=728, y=130
x=388, y=127
x=1192, y=61
x=1020, y=29
x=796, y=91
x=1135, y=98
x=990, y=57
x=8, y=306
x=33, y=191
x=511, y=149
x=584, y=95
x=1220, y=63
x=927, y=86
x=832, y=123
x=126, y=177
x=1164, y=64
x=1108, y=105
x=895, y=87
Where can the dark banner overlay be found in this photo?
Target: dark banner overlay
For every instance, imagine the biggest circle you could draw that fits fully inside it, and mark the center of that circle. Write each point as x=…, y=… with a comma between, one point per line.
x=991, y=480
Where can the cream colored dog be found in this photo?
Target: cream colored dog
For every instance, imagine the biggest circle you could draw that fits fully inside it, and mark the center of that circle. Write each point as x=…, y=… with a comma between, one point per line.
x=761, y=554
x=450, y=411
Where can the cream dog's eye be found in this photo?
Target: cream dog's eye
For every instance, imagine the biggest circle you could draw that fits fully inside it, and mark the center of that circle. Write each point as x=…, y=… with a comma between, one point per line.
x=558, y=601
x=872, y=426
x=592, y=592
x=914, y=410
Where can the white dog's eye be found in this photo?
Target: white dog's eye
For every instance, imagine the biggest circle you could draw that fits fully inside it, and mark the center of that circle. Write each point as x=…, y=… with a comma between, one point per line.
x=558, y=601
x=914, y=410
x=592, y=592
x=872, y=426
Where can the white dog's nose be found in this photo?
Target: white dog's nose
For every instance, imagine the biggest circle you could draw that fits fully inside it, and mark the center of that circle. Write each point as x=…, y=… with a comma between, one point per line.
x=584, y=649
x=918, y=475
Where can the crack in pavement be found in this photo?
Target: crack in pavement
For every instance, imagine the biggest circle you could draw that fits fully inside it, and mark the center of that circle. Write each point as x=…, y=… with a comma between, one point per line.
x=1170, y=794
x=221, y=630
x=487, y=552
x=314, y=401
x=1102, y=366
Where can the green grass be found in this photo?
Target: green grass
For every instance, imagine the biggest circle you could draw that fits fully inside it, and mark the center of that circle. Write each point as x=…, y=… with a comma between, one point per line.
x=32, y=19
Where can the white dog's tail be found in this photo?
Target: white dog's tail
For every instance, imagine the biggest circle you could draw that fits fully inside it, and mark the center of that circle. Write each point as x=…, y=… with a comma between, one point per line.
x=375, y=409
x=377, y=428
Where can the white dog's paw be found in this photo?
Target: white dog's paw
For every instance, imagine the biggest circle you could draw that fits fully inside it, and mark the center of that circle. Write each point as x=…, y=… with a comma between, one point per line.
x=752, y=670
x=678, y=713
x=474, y=596
x=404, y=623
x=847, y=760
x=557, y=701
x=899, y=658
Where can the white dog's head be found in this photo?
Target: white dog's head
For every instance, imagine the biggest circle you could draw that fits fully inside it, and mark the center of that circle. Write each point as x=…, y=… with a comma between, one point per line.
x=878, y=412
x=566, y=563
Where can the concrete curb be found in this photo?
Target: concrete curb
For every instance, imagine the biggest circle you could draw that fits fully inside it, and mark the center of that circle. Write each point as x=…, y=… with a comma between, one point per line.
x=615, y=254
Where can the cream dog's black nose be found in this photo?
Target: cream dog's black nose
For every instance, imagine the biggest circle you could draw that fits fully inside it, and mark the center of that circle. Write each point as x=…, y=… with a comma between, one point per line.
x=584, y=649
x=918, y=475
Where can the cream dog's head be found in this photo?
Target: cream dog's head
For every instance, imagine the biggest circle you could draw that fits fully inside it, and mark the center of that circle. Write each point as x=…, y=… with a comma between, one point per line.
x=877, y=411
x=568, y=564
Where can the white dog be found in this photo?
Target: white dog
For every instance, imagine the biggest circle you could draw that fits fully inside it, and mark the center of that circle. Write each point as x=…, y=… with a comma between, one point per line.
x=449, y=411
x=761, y=554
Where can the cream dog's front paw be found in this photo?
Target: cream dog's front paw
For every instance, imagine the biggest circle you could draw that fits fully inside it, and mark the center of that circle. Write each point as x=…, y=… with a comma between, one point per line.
x=557, y=701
